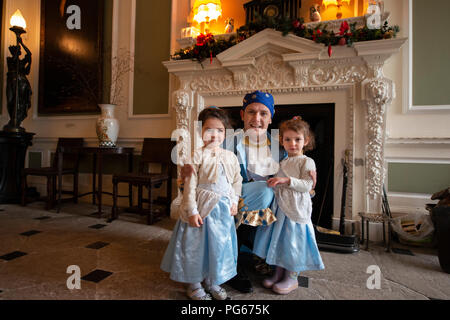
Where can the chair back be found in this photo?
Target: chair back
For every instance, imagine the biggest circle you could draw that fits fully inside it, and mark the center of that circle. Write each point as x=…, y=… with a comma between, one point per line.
x=157, y=150
x=70, y=159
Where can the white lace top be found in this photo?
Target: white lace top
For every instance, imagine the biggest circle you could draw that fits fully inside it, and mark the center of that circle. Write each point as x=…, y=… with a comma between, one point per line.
x=294, y=199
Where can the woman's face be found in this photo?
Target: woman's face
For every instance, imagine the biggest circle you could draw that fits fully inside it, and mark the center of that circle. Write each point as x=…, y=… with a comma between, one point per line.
x=213, y=133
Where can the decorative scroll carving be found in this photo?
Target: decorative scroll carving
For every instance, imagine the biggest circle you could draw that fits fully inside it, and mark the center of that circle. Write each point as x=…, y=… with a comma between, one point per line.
x=379, y=93
x=183, y=110
x=337, y=74
x=270, y=72
x=217, y=82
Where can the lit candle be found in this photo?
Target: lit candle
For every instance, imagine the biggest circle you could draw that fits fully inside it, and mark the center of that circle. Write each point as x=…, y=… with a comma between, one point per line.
x=17, y=20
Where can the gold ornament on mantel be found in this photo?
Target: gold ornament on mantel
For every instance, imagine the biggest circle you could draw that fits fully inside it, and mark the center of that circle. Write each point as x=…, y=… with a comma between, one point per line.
x=315, y=13
x=229, y=28
x=338, y=3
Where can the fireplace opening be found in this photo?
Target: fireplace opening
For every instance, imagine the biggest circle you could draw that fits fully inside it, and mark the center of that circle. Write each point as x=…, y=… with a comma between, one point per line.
x=321, y=119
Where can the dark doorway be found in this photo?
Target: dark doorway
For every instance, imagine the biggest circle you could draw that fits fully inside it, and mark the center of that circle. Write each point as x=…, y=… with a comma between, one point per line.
x=321, y=119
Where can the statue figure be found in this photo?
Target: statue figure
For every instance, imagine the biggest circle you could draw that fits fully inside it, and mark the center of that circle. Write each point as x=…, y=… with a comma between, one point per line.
x=18, y=88
x=229, y=28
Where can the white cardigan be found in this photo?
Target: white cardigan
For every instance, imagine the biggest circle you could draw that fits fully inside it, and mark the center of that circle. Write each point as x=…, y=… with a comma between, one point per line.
x=294, y=199
x=206, y=170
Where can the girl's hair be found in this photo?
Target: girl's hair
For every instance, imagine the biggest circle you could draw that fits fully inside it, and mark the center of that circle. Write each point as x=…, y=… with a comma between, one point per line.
x=300, y=126
x=214, y=112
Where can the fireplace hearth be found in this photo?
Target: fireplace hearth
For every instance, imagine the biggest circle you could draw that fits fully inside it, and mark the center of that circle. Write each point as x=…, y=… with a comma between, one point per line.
x=321, y=120
x=344, y=97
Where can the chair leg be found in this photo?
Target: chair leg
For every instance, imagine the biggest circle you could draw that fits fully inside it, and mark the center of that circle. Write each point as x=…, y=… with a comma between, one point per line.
x=367, y=227
x=48, y=205
x=150, y=209
x=75, y=188
x=388, y=249
x=130, y=195
x=140, y=198
x=362, y=231
x=114, y=211
x=24, y=190
x=384, y=233
x=58, y=204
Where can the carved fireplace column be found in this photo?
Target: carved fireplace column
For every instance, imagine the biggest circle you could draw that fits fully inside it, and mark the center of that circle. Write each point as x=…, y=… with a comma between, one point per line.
x=377, y=94
x=182, y=107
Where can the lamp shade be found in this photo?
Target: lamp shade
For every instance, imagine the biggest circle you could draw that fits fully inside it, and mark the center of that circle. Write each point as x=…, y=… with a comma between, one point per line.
x=327, y=3
x=17, y=20
x=207, y=10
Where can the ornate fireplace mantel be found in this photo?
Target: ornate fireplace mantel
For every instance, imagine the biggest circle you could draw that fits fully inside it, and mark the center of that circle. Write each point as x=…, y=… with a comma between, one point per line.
x=295, y=69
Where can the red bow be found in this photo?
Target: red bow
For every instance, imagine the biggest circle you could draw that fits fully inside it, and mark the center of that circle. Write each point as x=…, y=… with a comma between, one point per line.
x=344, y=28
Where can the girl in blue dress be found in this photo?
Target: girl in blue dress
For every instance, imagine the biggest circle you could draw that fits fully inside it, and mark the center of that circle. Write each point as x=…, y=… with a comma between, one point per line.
x=290, y=243
x=203, y=246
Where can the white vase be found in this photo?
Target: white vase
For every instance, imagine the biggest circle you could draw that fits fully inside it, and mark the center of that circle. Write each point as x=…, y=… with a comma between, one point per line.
x=107, y=126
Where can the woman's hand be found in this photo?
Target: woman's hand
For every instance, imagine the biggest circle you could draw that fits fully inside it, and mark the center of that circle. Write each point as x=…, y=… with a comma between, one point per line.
x=233, y=209
x=195, y=221
x=272, y=182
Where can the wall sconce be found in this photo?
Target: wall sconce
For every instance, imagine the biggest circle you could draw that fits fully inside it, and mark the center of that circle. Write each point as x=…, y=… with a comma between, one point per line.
x=206, y=11
x=338, y=3
x=18, y=88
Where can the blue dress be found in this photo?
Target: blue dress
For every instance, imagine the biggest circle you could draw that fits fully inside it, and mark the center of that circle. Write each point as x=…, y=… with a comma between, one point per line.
x=288, y=244
x=209, y=251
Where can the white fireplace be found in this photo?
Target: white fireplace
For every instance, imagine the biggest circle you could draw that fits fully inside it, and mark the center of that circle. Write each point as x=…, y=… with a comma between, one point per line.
x=299, y=71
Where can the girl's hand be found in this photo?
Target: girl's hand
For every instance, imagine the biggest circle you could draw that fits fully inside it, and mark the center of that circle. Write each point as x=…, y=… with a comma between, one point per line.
x=272, y=182
x=233, y=210
x=186, y=171
x=195, y=221
x=313, y=175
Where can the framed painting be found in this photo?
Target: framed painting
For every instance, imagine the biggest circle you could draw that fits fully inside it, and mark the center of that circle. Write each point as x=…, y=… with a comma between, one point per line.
x=71, y=47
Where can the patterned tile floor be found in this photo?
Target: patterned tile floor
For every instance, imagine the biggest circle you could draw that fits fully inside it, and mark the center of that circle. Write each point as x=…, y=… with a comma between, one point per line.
x=42, y=253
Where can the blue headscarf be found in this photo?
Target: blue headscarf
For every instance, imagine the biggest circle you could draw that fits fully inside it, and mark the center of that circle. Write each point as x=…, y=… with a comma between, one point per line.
x=262, y=97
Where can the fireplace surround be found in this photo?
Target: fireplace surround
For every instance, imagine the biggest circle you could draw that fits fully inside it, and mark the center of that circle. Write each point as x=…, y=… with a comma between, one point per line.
x=299, y=71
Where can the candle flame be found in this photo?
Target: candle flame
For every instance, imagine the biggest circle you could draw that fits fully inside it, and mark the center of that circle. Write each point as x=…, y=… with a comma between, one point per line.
x=17, y=20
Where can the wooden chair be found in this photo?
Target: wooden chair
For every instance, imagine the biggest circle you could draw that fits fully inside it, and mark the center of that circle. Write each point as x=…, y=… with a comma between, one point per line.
x=154, y=150
x=66, y=165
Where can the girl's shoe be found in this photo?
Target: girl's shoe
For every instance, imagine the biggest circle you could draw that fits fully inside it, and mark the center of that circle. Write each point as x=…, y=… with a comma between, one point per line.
x=277, y=288
x=277, y=276
x=289, y=283
x=217, y=292
x=198, y=294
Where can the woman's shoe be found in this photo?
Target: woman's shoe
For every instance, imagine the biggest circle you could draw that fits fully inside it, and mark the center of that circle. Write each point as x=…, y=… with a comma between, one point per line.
x=198, y=294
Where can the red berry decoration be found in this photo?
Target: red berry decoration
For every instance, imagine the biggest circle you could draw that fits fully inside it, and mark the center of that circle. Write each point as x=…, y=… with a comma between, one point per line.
x=342, y=41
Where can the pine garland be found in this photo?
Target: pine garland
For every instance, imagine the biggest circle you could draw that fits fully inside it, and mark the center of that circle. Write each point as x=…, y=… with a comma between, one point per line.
x=208, y=47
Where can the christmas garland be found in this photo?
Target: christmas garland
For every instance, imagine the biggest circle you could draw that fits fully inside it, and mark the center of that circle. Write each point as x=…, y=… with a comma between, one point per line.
x=208, y=47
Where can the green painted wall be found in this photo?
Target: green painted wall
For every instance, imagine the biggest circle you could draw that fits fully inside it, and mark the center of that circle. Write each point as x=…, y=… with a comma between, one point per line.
x=152, y=46
x=431, y=52
x=34, y=160
x=418, y=177
x=107, y=45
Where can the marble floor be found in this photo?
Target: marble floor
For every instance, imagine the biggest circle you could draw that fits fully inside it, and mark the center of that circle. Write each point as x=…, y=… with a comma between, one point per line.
x=120, y=260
